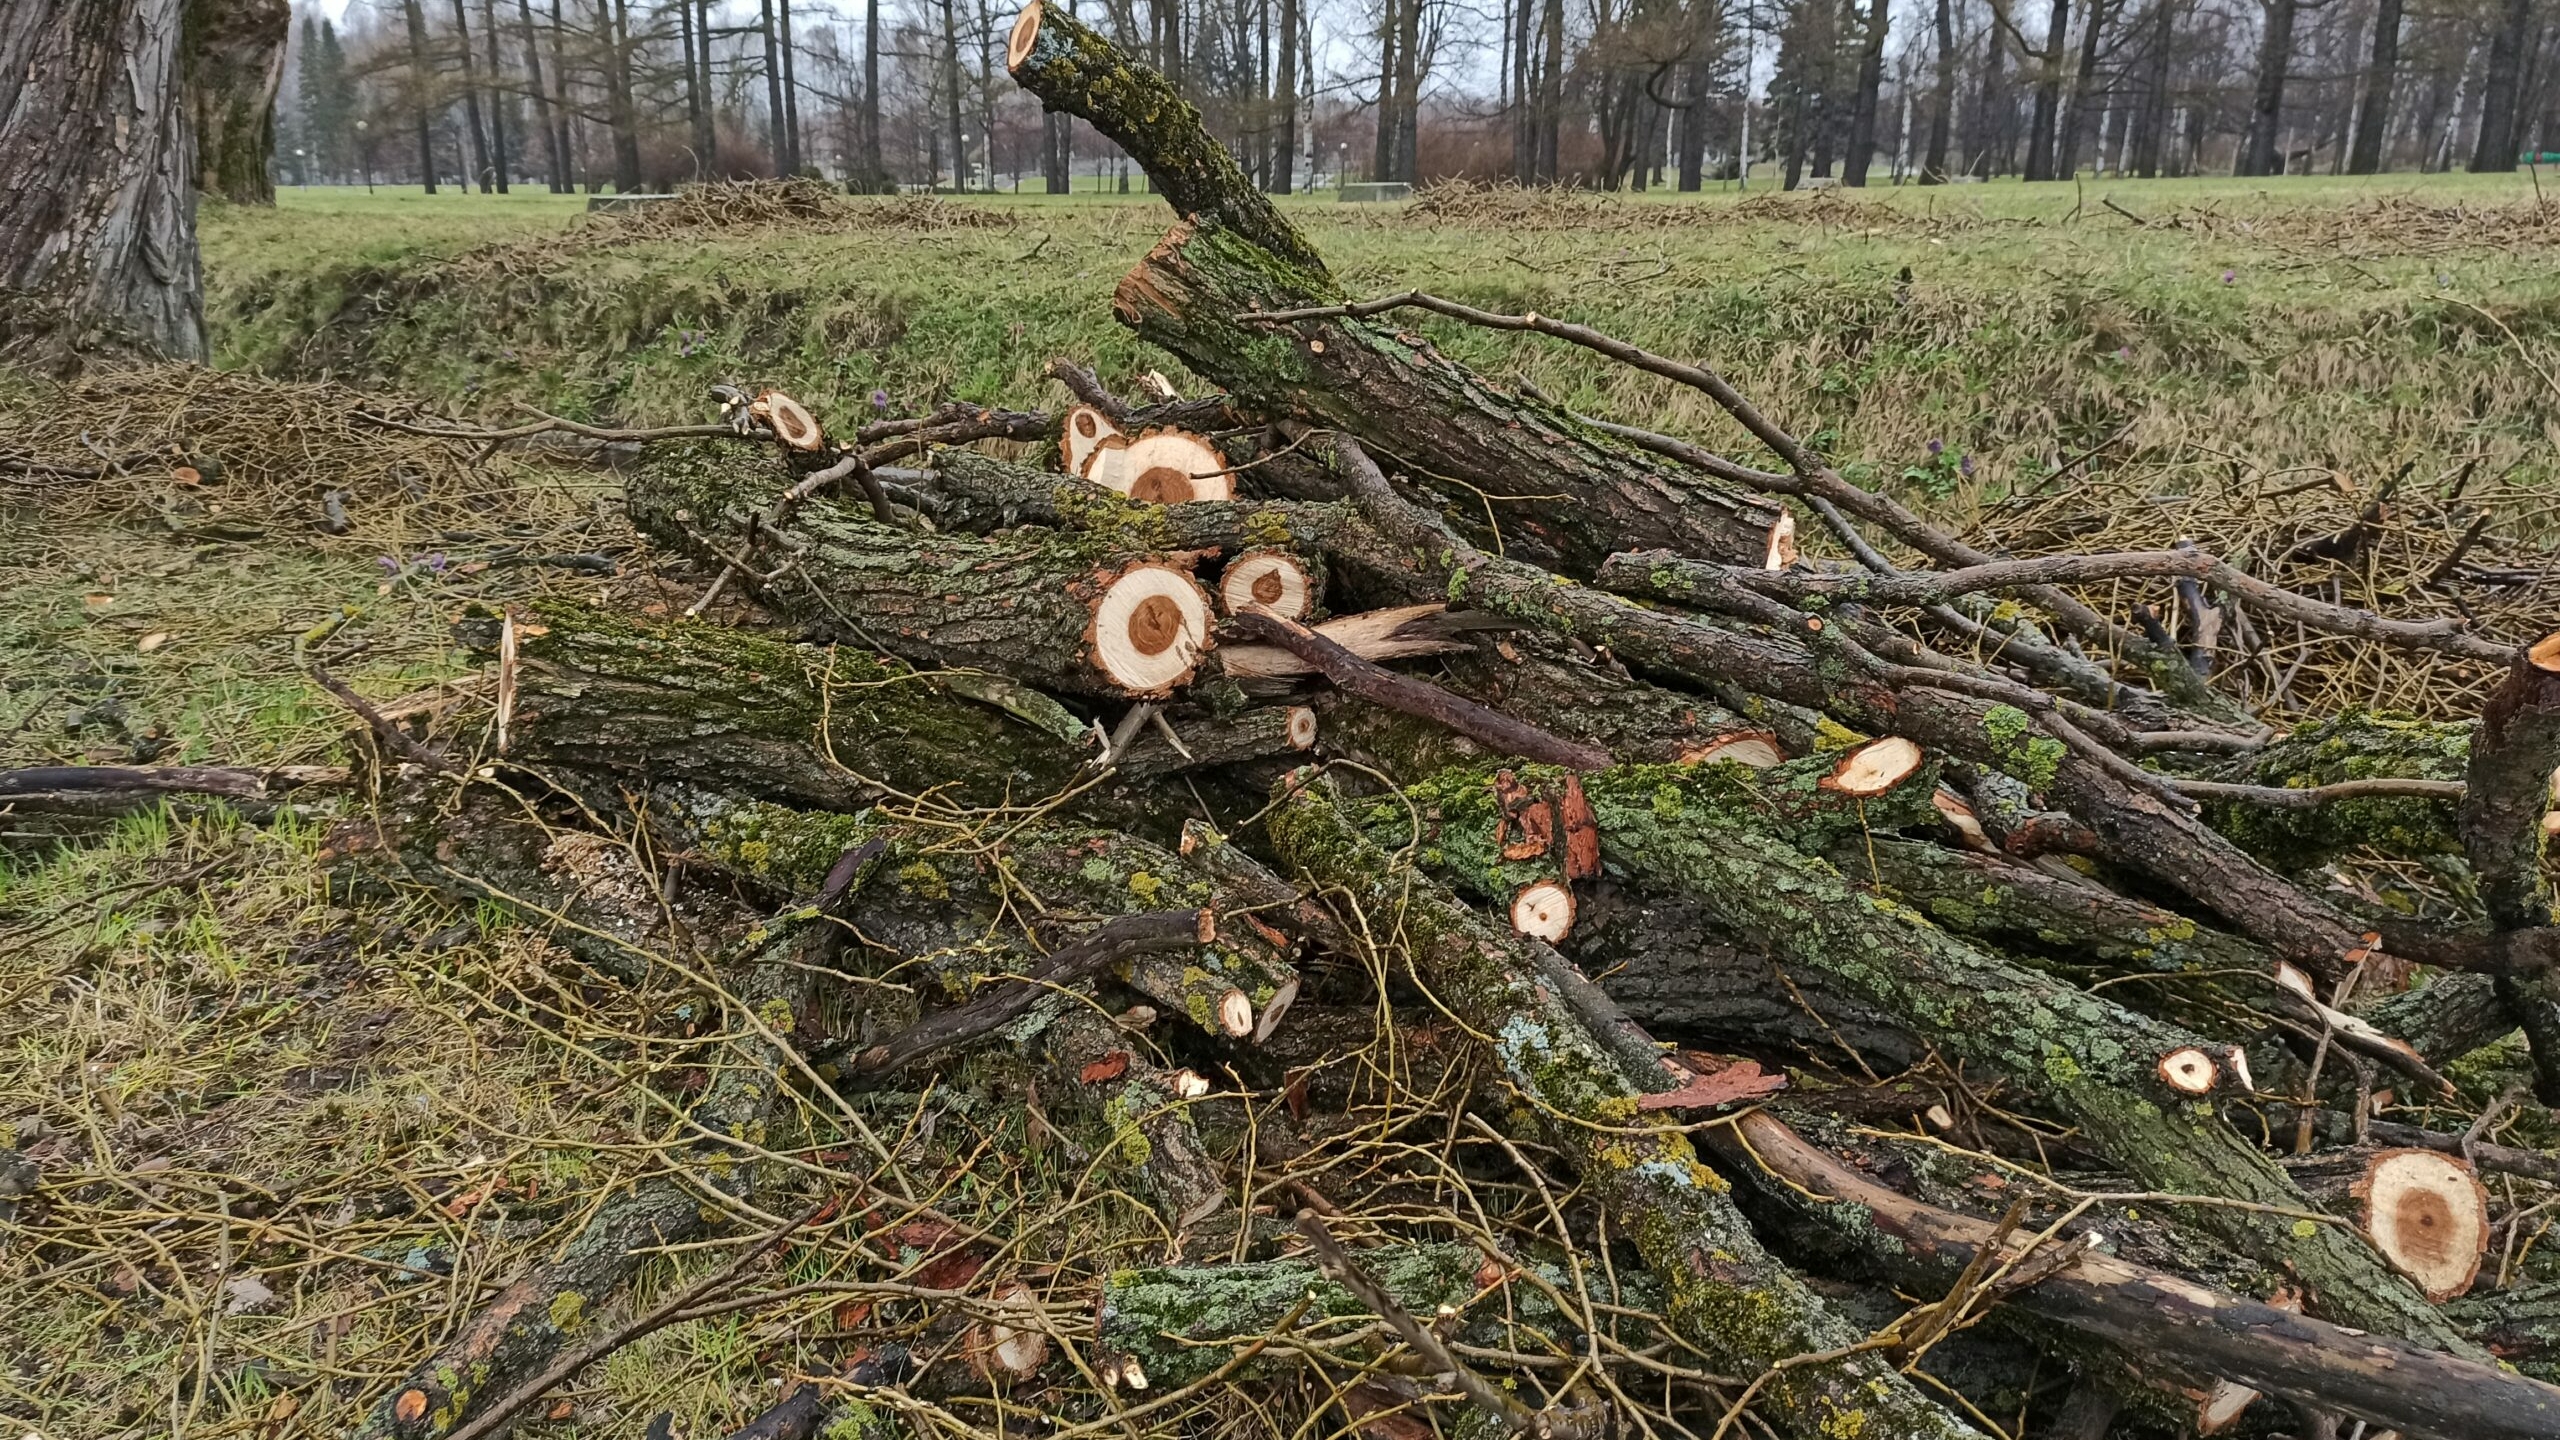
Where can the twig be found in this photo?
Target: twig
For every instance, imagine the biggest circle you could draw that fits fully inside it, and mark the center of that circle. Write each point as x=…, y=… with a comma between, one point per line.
x=392, y=736
x=1505, y=1411
x=496, y=1417
x=1103, y=946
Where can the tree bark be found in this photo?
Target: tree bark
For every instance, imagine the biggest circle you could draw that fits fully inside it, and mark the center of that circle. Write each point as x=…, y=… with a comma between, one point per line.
x=2266, y=106
x=2502, y=92
x=497, y=95
x=480, y=168
x=2084, y=92
x=1721, y=1290
x=1284, y=158
x=1862, y=114
x=235, y=61
x=2040, y=131
x=97, y=215
x=2373, y=115
x=614, y=31
x=1933, y=164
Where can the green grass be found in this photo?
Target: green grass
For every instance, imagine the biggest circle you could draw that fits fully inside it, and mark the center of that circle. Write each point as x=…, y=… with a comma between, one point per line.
x=2350, y=325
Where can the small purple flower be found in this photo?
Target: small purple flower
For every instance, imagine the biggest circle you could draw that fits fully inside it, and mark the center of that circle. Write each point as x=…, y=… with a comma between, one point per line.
x=2124, y=352
x=390, y=564
x=1937, y=448
x=1964, y=466
x=879, y=399
x=2230, y=275
x=433, y=562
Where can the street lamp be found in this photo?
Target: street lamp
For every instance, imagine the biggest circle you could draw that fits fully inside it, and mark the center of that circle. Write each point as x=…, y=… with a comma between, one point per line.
x=302, y=164
x=364, y=152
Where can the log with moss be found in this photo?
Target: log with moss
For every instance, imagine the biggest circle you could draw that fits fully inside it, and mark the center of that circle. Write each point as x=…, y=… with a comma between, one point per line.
x=2138, y=1087
x=1725, y=1294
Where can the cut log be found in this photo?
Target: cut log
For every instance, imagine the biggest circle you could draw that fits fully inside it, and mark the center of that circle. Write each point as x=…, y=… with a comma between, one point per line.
x=2156, y=1315
x=1875, y=768
x=2428, y=1215
x=790, y=421
x=2188, y=1070
x=1713, y=833
x=1274, y=580
x=1543, y=911
x=1722, y=1292
x=1071, y=615
x=2514, y=760
x=1150, y=628
x=1083, y=428
x=1165, y=467
x=1758, y=749
x=1235, y=254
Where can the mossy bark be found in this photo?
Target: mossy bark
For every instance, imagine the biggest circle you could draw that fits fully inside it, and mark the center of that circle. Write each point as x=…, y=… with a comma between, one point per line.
x=2514, y=780
x=1721, y=1290
x=1182, y=1321
x=557, y=1303
x=2357, y=745
x=1019, y=604
x=1477, y=443
x=2082, y=1055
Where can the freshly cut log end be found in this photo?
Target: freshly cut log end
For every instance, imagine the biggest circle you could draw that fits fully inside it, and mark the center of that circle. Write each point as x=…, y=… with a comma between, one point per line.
x=2290, y=977
x=1758, y=749
x=2545, y=654
x=1543, y=911
x=1268, y=1023
x=1085, y=429
x=1026, y=33
x=1104, y=462
x=1164, y=467
x=1960, y=818
x=1132, y=1374
x=1302, y=728
x=1272, y=580
x=2223, y=1405
x=790, y=421
x=1782, y=543
x=2189, y=1071
x=1189, y=1085
x=1874, y=768
x=1150, y=629
x=2428, y=1216
x=1235, y=1014
x=2239, y=1061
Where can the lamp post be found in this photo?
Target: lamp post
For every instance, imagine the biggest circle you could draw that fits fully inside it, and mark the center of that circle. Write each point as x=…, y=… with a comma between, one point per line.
x=302, y=166
x=364, y=152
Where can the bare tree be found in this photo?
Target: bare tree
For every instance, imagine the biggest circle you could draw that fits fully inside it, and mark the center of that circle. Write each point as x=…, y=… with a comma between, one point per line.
x=2502, y=99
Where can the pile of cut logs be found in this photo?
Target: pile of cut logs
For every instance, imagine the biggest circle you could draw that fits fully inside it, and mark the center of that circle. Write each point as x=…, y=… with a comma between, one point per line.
x=1371, y=680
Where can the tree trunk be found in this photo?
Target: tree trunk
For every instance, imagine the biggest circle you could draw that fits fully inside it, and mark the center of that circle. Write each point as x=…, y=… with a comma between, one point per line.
x=2502, y=96
x=421, y=90
x=560, y=114
x=777, y=130
x=480, y=170
x=697, y=96
x=1985, y=127
x=2266, y=107
x=2084, y=93
x=1942, y=107
x=875, y=176
x=2040, y=132
x=497, y=95
x=235, y=61
x=1550, y=118
x=2373, y=115
x=951, y=96
x=1862, y=114
x=97, y=215
x=1284, y=158
x=2152, y=124
x=790, y=88
x=1382, y=145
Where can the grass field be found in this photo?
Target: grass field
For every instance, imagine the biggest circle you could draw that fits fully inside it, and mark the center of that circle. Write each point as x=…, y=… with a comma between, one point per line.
x=2359, y=326
x=231, y=1069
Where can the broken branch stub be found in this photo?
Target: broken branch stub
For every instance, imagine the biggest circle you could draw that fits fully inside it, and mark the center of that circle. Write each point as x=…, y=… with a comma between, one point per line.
x=2428, y=1216
x=1272, y=580
x=1150, y=628
x=2189, y=1071
x=1782, y=543
x=1756, y=749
